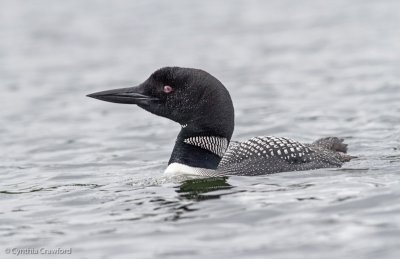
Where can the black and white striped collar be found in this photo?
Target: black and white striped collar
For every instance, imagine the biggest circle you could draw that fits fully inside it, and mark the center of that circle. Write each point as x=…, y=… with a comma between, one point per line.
x=214, y=144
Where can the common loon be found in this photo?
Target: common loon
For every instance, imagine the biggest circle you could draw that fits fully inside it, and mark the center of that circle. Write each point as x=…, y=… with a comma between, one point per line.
x=203, y=107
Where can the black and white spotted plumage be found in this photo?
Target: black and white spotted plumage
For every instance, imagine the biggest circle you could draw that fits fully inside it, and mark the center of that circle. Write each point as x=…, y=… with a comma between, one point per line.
x=267, y=155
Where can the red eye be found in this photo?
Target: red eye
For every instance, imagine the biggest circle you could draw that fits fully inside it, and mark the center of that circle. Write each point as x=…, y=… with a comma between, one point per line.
x=168, y=89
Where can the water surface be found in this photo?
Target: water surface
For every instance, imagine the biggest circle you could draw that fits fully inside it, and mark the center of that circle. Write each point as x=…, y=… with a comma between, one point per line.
x=87, y=175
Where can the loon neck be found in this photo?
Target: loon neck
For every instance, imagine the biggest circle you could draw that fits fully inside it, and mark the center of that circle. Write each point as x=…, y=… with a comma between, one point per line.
x=198, y=149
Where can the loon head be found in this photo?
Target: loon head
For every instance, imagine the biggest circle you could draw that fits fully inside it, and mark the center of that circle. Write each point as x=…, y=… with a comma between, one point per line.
x=193, y=98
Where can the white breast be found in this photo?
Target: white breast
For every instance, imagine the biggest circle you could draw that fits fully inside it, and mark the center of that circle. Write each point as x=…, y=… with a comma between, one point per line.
x=176, y=169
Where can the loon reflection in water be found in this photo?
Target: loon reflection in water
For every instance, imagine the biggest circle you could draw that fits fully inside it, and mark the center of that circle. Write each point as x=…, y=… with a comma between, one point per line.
x=203, y=107
x=198, y=189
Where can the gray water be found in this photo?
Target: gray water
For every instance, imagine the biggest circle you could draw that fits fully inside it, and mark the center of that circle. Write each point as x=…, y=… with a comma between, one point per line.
x=80, y=174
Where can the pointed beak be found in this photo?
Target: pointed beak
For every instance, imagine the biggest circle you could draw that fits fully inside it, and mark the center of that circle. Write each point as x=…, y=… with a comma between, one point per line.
x=130, y=95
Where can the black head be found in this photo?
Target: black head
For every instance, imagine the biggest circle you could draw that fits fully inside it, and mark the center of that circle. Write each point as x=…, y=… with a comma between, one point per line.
x=191, y=97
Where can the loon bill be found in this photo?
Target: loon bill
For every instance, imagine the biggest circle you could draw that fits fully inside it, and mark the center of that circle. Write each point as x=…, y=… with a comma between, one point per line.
x=203, y=107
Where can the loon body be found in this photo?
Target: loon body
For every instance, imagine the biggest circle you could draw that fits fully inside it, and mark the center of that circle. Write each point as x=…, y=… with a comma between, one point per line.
x=203, y=107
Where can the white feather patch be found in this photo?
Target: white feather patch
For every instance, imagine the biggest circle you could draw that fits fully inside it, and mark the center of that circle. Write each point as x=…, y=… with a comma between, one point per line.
x=176, y=169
